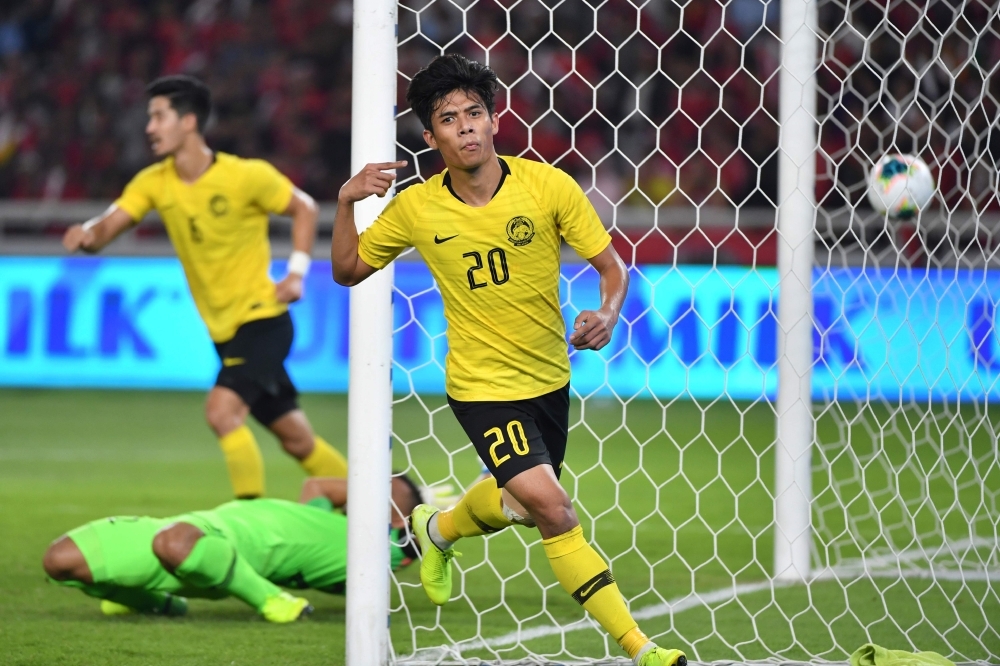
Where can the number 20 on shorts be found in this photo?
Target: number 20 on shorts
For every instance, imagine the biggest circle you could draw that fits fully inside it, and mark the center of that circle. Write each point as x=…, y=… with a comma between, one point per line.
x=518, y=441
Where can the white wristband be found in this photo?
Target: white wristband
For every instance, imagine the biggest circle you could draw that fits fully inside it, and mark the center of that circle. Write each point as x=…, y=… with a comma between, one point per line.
x=94, y=221
x=298, y=263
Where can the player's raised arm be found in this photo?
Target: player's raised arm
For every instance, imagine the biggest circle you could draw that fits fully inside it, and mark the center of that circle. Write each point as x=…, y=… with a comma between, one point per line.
x=332, y=488
x=593, y=328
x=95, y=233
x=348, y=267
x=304, y=212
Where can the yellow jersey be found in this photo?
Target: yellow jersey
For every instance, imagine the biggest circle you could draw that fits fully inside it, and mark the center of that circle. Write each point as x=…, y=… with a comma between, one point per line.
x=497, y=267
x=218, y=225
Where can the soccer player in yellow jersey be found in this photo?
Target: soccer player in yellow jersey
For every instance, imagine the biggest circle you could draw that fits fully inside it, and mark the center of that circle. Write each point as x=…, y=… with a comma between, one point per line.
x=489, y=229
x=215, y=208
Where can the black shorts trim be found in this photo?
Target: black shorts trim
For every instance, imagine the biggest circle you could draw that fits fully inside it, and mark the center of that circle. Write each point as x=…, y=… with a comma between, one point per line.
x=515, y=435
x=253, y=366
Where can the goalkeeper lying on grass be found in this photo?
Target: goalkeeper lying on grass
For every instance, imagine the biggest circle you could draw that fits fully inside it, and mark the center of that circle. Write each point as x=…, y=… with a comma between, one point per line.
x=248, y=549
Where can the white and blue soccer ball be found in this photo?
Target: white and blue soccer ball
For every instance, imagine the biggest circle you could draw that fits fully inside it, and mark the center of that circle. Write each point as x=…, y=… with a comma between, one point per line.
x=900, y=186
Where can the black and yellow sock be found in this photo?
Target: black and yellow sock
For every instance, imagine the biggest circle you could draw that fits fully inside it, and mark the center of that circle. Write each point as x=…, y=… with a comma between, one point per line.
x=586, y=576
x=480, y=511
x=324, y=460
x=213, y=563
x=245, y=464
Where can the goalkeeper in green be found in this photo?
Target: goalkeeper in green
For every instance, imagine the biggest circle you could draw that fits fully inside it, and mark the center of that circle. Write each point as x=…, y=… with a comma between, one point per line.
x=248, y=549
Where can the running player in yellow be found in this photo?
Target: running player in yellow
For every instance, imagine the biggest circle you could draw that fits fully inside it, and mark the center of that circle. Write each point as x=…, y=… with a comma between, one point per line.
x=489, y=229
x=215, y=208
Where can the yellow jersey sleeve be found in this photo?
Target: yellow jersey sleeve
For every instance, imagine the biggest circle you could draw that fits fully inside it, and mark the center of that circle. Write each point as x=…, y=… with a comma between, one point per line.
x=392, y=231
x=575, y=216
x=272, y=190
x=139, y=196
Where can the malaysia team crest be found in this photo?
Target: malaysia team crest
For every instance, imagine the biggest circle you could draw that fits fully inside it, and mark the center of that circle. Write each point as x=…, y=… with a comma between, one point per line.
x=219, y=205
x=520, y=231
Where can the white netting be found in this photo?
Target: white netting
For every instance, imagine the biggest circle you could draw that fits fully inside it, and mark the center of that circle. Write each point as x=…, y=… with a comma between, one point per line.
x=666, y=113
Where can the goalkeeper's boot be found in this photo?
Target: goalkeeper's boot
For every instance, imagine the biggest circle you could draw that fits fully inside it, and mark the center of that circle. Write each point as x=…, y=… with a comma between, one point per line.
x=435, y=564
x=168, y=604
x=110, y=608
x=284, y=608
x=174, y=606
x=657, y=656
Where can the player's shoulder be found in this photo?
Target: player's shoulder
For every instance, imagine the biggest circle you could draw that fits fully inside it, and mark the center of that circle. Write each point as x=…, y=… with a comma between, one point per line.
x=524, y=169
x=154, y=172
x=235, y=163
x=426, y=188
x=541, y=179
x=417, y=194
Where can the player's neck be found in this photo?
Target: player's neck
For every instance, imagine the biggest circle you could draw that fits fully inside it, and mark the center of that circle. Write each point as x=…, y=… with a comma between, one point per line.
x=476, y=187
x=193, y=159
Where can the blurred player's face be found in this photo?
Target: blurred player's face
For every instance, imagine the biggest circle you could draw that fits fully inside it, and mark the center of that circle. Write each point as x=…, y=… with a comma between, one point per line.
x=462, y=129
x=166, y=130
x=401, y=501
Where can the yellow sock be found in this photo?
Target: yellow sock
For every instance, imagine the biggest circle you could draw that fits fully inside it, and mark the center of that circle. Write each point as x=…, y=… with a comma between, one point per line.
x=246, y=467
x=633, y=641
x=324, y=460
x=585, y=575
x=480, y=511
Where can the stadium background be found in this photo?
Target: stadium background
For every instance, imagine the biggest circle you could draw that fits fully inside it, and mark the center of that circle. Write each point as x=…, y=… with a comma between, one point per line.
x=72, y=112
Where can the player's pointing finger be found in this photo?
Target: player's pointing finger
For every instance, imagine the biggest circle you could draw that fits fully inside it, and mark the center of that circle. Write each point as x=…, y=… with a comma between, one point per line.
x=383, y=166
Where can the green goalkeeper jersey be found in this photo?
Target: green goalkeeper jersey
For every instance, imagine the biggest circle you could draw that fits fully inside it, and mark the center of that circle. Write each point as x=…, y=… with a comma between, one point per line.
x=293, y=545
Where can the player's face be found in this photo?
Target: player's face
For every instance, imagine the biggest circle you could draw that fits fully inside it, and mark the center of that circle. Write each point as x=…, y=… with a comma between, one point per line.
x=401, y=500
x=166, y=130
x=462, y=130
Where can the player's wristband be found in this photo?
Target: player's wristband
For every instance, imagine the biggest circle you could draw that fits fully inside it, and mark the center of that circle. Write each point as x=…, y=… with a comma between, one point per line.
x=94, y=221
x=298, y=263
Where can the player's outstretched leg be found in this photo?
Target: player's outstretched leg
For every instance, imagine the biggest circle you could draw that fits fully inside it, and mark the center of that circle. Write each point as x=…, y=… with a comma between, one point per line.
x=210, y=561
x=580, y=570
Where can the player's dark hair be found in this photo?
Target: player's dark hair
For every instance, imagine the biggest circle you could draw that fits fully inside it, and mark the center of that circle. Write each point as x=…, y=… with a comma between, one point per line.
x=415, y=496
x=444, y=75
x=409, y=547
x=186, y=94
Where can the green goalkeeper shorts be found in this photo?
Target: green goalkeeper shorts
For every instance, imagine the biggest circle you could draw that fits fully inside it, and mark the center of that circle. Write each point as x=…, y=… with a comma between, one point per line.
x=119, y=551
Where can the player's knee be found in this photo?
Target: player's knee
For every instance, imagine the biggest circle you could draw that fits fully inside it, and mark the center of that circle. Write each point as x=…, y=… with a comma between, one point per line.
x=63, y=560
x=174, y=543
x=294, y=432
x=554, y=516
x=221, y=418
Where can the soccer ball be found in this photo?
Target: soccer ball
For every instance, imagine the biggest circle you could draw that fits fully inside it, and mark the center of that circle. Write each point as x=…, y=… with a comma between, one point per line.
x=900, y=185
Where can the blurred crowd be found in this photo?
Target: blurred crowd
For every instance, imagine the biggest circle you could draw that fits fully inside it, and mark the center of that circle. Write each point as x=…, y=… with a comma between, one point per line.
x=73, y=74
x=666, y=105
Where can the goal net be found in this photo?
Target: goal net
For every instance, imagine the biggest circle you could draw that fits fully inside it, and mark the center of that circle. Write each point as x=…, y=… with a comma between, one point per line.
x=669, y=115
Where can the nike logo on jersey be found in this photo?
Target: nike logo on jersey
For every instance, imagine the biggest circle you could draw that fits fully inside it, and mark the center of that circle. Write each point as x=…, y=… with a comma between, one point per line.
x=438, y=241
x=231, y=361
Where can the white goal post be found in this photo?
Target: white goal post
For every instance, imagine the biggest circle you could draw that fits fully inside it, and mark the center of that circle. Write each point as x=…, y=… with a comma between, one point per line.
x=796, y=225
x=369, y=402
x=790, y=449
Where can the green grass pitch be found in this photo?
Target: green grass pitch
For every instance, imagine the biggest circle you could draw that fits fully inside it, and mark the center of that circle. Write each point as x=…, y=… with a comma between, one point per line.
x=67, y=457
